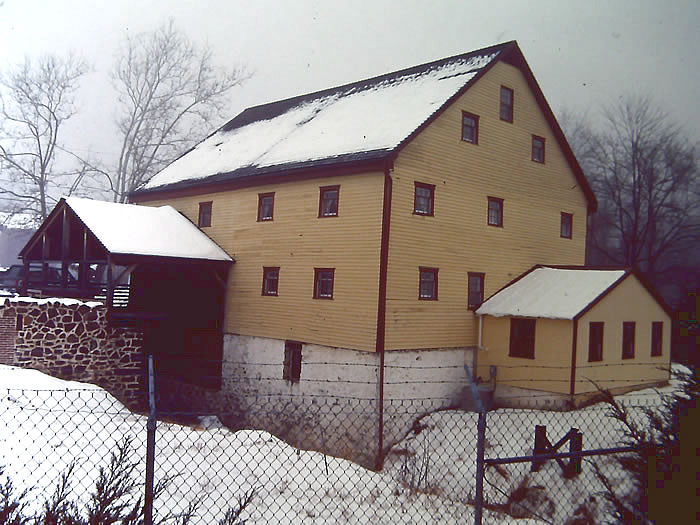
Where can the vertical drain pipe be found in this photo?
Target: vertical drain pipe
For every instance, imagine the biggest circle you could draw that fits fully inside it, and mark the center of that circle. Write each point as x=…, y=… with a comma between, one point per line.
x=150, y=446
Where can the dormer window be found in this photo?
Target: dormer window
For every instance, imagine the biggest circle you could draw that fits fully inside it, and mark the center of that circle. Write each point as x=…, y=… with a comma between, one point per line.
x=506, y=104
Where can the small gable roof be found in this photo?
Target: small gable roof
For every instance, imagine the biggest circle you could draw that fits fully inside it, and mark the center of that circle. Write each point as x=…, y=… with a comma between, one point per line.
x=552, y=293
x=128, y=229
x=366, y=121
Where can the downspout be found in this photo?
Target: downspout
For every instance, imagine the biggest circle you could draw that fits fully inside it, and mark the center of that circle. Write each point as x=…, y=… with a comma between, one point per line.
x=381, y=311
x=572, y=387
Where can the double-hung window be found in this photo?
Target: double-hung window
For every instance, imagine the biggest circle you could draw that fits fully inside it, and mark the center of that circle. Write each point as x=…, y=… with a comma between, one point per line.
x=495, y=211
x=271, y=277
x=323, y=283
x=506, y=107
x=204, y=219
x=328, y=201
x=566, y=225
x=470, y=127
x=423, y=199
x=427, y=284
x=266, y=206
x=475, y=294
x=538, y=149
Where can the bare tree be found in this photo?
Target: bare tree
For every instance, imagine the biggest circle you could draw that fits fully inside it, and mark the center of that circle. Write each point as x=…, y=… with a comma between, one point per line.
x=644, y=173
x=169, y=93
x=36, y=99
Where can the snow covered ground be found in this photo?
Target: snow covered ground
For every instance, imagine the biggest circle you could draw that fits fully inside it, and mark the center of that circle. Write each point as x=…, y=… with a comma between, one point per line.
x=46, y=423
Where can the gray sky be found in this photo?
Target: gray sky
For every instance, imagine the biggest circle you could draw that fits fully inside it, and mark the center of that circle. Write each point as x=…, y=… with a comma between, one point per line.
x=583, y=53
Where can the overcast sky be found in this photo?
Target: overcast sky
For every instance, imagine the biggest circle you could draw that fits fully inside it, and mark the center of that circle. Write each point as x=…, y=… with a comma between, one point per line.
x=584, y=53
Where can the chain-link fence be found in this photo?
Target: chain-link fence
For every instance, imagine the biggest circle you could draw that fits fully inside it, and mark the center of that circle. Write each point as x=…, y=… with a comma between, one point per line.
x=84, y=438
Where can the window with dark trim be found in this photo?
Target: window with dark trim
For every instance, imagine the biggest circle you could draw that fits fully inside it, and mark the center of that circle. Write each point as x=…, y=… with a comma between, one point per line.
x=566, y=225
x=495, y=211
x=323, y=283
x=470, y=127
x=423, y=199
x=204, y=220
x=292, y=361
x=475, y=290
x=506, y=111
x=628, y=329
x=427, y=284
x=271, y=276
x=522, y=338
x=266, y=206
x=538, y=149
x=595, y=341
x=328, y=201
x=657, y=333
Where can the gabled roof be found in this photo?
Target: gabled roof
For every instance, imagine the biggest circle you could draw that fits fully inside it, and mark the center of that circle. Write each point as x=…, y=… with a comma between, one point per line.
x=127, y=229
x=362, y=122
x=552, y=292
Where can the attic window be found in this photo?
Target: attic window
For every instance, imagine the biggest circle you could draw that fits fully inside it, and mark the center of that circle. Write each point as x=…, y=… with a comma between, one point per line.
x=470, y=127
x=423, y=199
x=538, y=149
x=506, y=111
x=204, y=220
x=522, y=338
x=266, y=205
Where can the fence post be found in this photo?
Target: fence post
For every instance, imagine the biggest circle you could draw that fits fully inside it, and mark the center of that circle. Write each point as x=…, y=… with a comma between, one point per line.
x=540, y=446
x=575, y=445
x=150, y=446
x=480, y=451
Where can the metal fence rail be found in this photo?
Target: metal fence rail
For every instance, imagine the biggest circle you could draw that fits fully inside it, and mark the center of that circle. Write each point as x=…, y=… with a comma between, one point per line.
x=205, y=471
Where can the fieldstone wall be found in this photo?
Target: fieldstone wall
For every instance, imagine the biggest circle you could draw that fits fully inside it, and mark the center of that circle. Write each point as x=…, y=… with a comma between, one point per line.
x=71, y=340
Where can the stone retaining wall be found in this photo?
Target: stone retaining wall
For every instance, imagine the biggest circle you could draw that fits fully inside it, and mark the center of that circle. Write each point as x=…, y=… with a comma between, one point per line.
x=71, y=340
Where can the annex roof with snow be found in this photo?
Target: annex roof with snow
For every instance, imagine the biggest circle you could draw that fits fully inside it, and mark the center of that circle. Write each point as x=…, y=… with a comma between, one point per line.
x=355, y=124
x=552, y=292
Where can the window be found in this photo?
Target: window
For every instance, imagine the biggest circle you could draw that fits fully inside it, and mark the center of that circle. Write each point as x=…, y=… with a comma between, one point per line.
x=538, y=149
x=595, y=342
x=657, y=332
x=470, y=127
x=323, y=283
x=475, y=294
x=522, y=338
x=424, y=199
x=628, y=340
x=204, y=220
x=328, y=201
x=271, y=276
x=428, y=284
x=266, y=205
x=292, y=361
x=506, y=104
x=495, y=212
x=567, y=221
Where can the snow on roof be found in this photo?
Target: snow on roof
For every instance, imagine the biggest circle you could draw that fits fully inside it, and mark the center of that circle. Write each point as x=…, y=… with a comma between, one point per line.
x=363, y=117
x=553, y=293
x=145, y=230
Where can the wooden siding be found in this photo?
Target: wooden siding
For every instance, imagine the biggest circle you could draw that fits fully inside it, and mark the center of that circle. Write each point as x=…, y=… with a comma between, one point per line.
x=457, y=239
x=629, y=301
x=549, y=371
x=298, y=241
